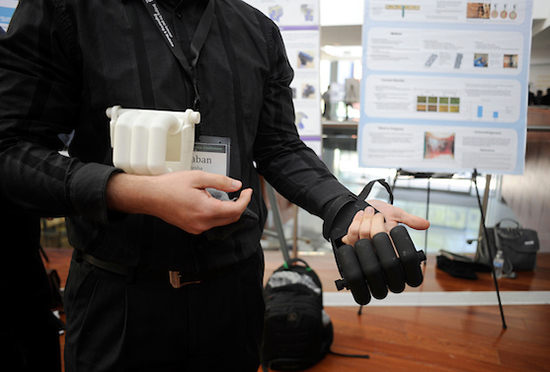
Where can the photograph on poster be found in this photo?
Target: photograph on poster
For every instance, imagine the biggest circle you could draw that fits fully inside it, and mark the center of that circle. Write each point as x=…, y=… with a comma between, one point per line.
x=308, y=91
x=439, y=145
x=308, y=11
x=481, y=60
x=301, y=120
x=504, y=13
x=289, y=13
x=306, y=59
x=510, y=61
x=275, y=13
x=478, y=10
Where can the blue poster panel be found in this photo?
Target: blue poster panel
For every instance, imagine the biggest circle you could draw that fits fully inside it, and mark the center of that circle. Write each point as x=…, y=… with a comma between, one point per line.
x=445, y=85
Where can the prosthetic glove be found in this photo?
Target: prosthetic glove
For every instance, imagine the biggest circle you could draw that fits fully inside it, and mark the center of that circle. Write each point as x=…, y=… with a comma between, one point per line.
x=372, y=266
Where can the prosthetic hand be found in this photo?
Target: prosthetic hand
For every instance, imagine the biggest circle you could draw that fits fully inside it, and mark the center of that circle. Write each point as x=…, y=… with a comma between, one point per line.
x=152, y=142
x=371, y=266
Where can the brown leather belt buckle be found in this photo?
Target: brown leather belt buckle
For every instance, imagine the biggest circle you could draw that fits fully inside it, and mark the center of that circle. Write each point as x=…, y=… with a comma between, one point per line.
x=175, y=280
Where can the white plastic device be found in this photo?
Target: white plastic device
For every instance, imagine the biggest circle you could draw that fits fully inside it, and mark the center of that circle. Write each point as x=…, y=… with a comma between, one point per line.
x=152, y=142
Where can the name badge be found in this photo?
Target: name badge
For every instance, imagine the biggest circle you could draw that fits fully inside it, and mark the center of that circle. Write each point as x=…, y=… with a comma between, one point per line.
x=211, y=154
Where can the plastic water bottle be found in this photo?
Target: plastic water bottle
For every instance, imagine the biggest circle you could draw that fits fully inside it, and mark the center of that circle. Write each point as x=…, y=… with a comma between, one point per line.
x=498, y=264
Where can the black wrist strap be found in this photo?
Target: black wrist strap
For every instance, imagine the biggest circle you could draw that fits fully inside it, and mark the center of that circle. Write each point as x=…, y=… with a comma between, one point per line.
x=368, y=188
x=343, y=202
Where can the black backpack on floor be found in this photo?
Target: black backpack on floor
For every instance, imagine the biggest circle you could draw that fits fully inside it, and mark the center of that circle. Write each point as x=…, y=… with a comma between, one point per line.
x=297, y=331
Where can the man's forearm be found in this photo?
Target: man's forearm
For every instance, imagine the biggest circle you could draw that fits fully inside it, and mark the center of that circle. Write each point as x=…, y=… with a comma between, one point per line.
x=129, y=193
x=179, y=198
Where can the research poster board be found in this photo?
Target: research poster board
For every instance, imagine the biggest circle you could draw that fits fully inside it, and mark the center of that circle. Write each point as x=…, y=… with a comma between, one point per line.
x=445, y=85
x=299, y=25
x=7, y=7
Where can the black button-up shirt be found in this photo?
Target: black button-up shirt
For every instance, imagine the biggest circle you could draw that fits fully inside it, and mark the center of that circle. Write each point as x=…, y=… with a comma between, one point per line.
x=64, y=62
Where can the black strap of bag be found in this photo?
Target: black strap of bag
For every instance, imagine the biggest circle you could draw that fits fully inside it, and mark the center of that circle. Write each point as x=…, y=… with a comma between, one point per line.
x=509, y=232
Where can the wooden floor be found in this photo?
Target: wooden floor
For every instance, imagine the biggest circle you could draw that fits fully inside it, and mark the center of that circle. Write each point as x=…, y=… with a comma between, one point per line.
x=428, y=338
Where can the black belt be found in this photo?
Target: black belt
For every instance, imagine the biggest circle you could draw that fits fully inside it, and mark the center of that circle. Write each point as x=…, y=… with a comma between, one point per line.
x=176, y=278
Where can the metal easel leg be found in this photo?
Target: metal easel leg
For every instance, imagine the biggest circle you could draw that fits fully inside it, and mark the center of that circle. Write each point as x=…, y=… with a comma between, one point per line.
x=427, y=217
x=483, y=230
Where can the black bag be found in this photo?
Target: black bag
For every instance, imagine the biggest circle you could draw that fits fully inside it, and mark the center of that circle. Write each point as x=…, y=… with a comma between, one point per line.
x=519, y=246
x=459, y=266
x=298, y=332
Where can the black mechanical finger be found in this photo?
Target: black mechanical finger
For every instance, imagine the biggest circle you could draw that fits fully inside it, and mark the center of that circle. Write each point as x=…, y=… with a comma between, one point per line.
x=408, y=255
x=372, y=269
x=352, y=275
x=395, y=277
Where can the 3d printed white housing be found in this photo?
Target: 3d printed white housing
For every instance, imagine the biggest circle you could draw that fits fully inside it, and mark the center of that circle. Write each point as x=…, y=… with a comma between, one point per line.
x=152, y=142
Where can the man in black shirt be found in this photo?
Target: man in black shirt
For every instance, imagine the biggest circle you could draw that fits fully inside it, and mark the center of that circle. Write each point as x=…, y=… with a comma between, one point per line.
x=63, y=63
x=29, y=335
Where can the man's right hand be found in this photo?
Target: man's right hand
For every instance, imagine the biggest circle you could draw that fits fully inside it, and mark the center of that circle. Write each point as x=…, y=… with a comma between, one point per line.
x=179, y=198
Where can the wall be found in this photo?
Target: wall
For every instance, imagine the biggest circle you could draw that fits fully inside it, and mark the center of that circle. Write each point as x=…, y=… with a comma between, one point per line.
x=539, y=77
x=528, y=195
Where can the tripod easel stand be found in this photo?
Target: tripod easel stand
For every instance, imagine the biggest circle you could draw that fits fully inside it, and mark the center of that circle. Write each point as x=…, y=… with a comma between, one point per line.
x=483, y=232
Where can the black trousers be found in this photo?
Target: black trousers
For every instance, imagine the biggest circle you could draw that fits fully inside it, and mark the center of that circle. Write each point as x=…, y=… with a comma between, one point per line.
x=114, y=324
x=29, y=332
x=29, y=342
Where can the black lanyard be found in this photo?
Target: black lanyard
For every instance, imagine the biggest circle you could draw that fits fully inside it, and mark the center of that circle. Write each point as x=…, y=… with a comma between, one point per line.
x=197, y=43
